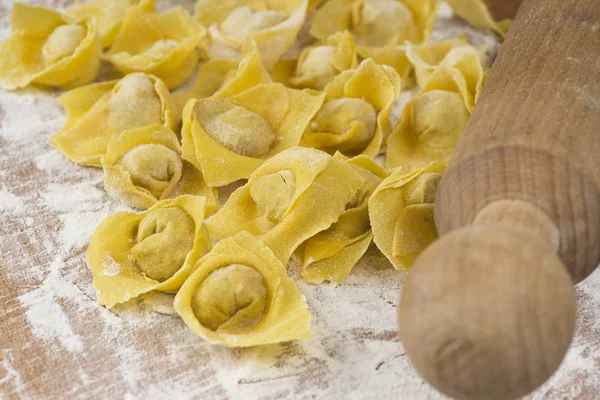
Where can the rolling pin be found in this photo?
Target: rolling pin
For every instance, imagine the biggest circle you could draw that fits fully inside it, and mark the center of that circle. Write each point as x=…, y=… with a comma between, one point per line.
x=488, y=311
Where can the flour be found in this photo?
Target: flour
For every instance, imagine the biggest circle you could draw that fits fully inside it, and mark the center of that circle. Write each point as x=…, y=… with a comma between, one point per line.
x=10, y=202
x=58, y=342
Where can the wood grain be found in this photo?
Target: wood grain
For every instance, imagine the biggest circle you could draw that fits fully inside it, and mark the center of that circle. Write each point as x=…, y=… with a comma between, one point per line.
x=489, y=309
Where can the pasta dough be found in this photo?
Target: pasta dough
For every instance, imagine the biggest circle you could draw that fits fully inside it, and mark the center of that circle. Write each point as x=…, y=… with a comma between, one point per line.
x=48, y=48
x=319, y=65
x=98, y=113
x=433, y=121
x=476, y=13
x=226, y=77
x=239, y=295
x=160, y=44
x=144, y=165
x=109, y=14
x=330, y=255
x=355, y=116
x=132, y=254
x=289, y=199
x=228, y=137
x=377, y=23
x=401, y=213
x=273, y=24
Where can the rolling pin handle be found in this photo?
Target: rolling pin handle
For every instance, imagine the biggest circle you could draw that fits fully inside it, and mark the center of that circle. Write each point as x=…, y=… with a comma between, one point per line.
x=488, y=311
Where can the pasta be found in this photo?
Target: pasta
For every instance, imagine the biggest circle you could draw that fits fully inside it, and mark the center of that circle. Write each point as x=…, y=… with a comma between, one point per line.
x=163, y=45
x=278, y=204
x=377, y=23
x=132, y=254
x=225, y=77
x=144, y=165
x=109, y=14
x=273, y=24
x=476, y=13
x=330, y=255
x=98, y=113
x=228, y=137
x=239, y=295
x=426, y=58
x=48, y=48
x=433, y=121
x=401, y=213
x=319, y=65
x=355, y=116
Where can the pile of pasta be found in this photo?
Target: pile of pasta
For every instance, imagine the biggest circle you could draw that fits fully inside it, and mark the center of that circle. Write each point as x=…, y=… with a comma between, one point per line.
x=302, y=120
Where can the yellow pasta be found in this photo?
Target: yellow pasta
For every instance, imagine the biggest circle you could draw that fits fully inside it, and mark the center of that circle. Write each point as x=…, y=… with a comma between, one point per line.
x=355, y=116
x=330, y=255
x=144, y=165
x=163, y=45
x=98, y=113
x=228, y=137
x=476, y=13
x=132, y=254
x=239, y=295
x=425, y=58
x=377, y=23
x=49, y=48
x=319, y=65
x=401, y=213
x=225, y=77
x=289, y=199
x=273, y=24
x=433, y=121
x=109, y=14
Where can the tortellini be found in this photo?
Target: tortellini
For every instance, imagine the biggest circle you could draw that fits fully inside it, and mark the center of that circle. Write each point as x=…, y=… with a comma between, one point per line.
x=163, y=45
x=227, y=138
x=274, y=26
x=433, y=121
x=476, y=13
x=402, y=213
x=98, y=113
x=109, y=14
x=132, y=254
x=48, y=48
x=330, y=255
x=319, y=65
x=427, y=57
x=355, y=116
x=143, y=166
x=239, y=295
x=377, y=23
x=288, y=200
x=226, y=77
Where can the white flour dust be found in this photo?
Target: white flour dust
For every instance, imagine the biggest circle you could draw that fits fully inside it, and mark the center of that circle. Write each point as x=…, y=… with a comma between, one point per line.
x=58, y=342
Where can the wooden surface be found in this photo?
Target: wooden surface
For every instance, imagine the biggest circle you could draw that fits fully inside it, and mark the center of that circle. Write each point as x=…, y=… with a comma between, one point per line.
x=56, y=342
x=488, y=311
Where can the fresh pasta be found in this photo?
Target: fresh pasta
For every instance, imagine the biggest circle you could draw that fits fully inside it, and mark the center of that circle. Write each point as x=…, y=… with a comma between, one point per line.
x=401, y=213
x=354, y=118
x=278, y=203
x=228, y=137
x=239, y=295
x=144, y=166
x=163, y=45
x=49, y=48
x=273, y=24
x=131, y=254
x=331, y=254
x=99, y=113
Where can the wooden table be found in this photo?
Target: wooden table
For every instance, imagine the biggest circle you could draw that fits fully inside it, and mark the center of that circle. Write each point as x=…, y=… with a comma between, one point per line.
x=56, y=342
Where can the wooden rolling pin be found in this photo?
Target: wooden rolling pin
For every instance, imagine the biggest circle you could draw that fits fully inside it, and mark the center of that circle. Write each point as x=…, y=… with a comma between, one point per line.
x=488, y=311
